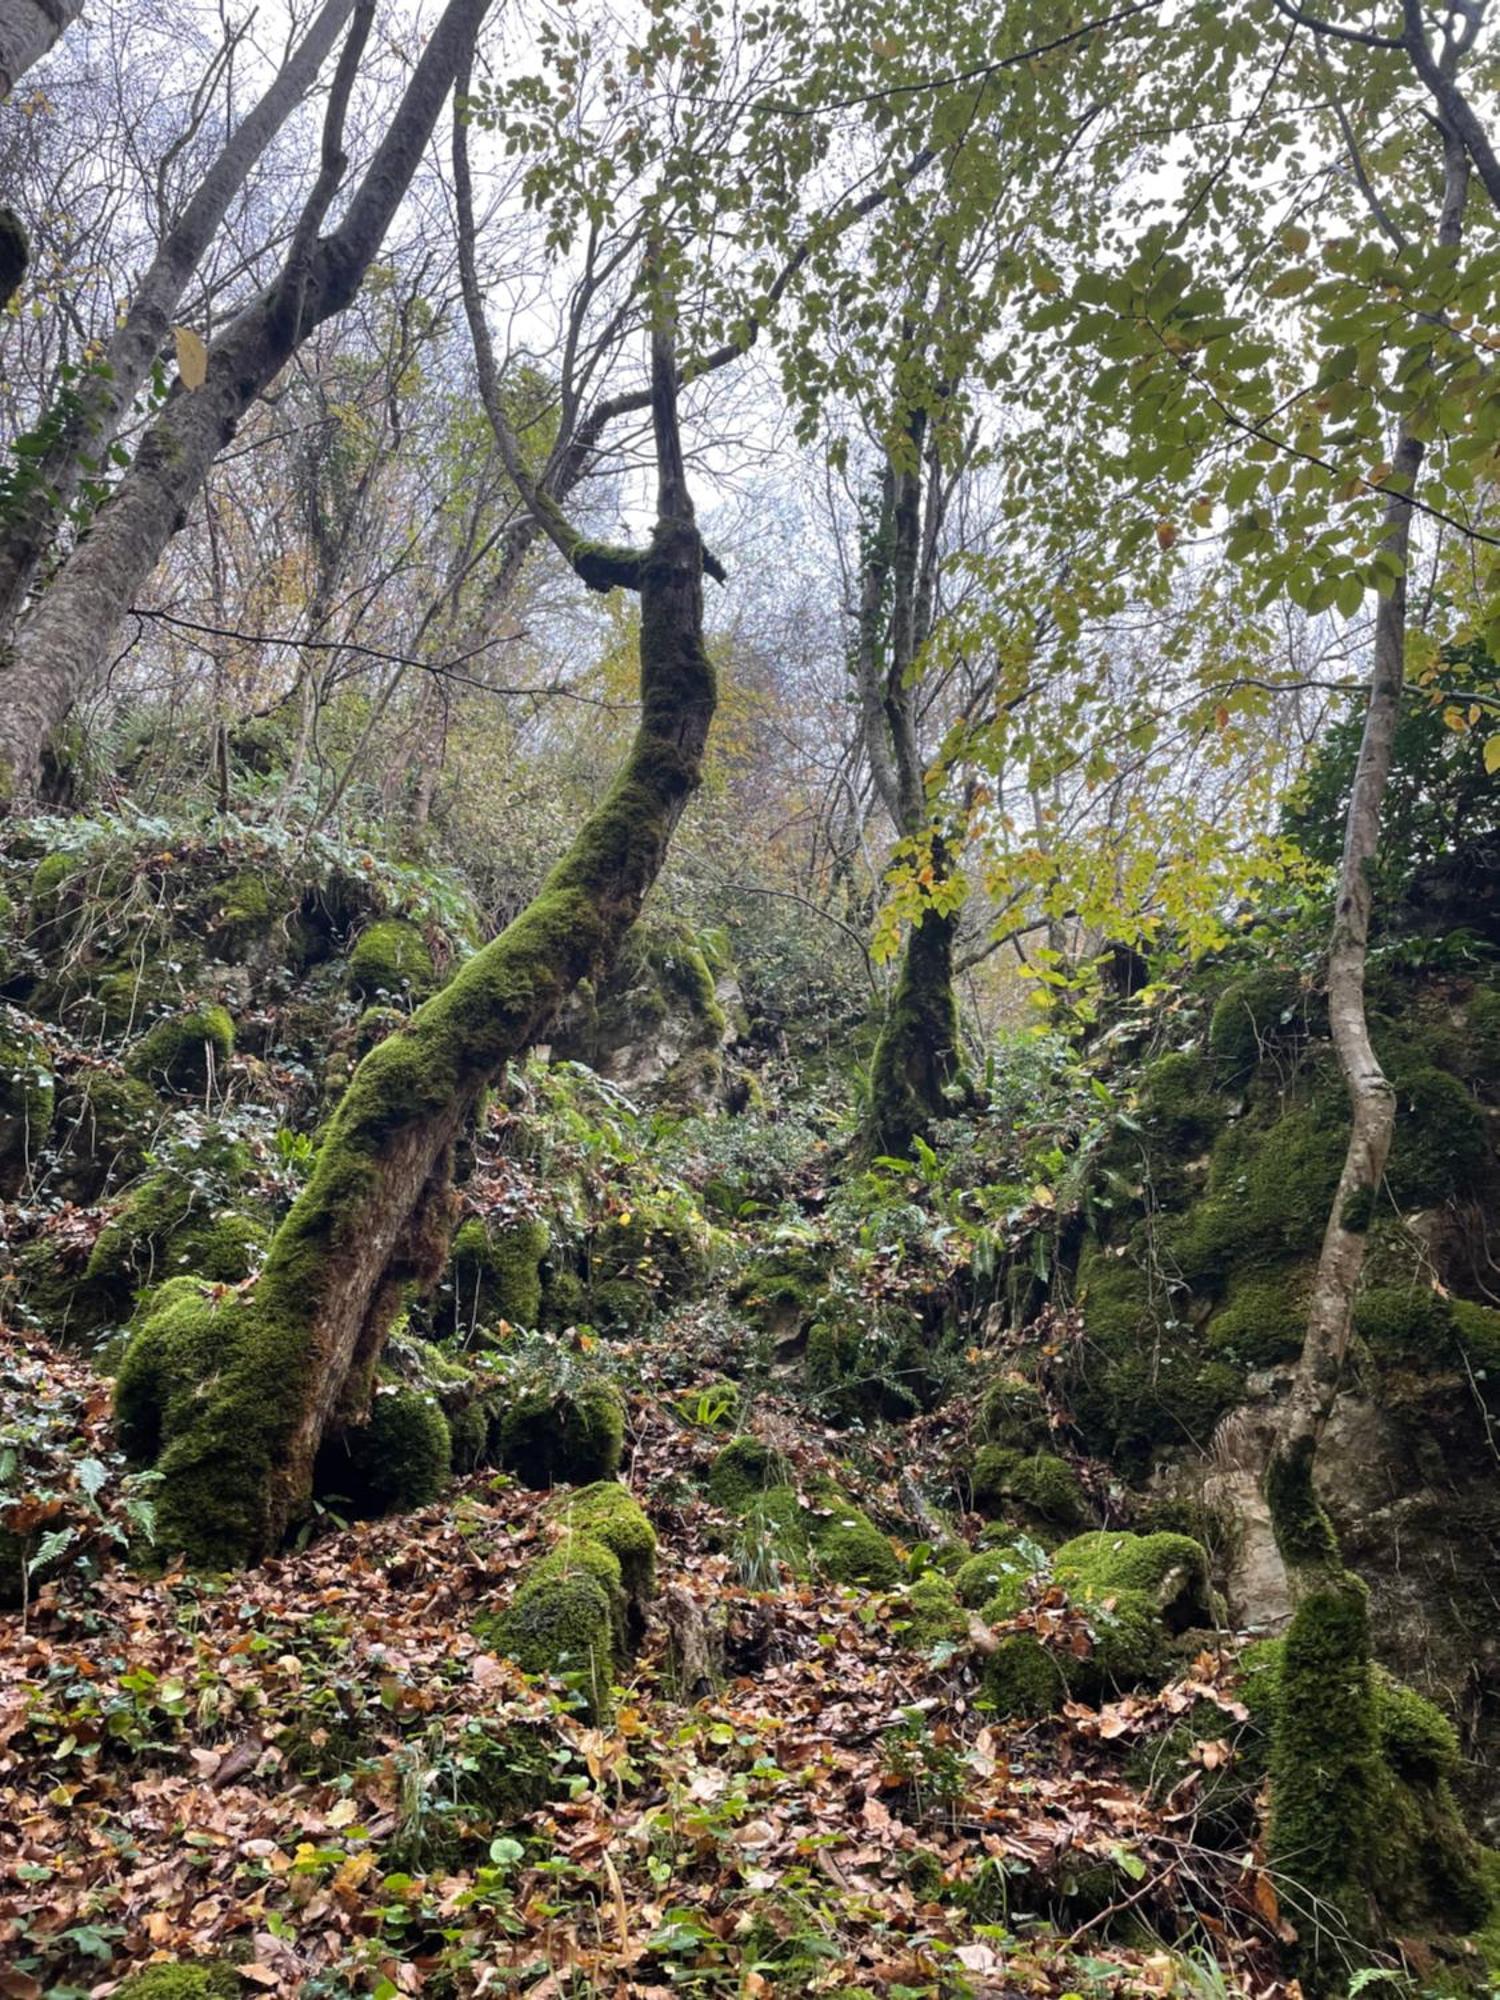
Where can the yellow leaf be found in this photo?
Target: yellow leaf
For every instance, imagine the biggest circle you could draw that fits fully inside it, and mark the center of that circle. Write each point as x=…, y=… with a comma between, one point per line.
x=352, y=1872
x=1166, y=534
x=1454, y=717
x=1492, y=755
x=192, y=357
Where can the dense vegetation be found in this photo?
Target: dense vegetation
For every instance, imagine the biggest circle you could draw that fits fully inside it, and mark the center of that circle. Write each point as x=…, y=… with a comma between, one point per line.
x=749, y=1001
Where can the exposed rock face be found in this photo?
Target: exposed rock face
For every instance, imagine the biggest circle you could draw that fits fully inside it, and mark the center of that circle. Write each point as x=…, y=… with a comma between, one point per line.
x=659, y=1024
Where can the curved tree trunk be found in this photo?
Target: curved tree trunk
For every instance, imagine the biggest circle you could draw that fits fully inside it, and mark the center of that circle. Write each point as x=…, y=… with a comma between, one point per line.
x=1325, y=1765
x=28, y=28
x=243, y=1390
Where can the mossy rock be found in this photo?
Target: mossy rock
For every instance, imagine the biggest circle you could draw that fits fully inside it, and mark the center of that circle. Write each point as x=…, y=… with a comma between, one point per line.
x=106, y=1125
x=391, y=957
x=1172, y=1570
x=1409, y=1325
x=932, y=1613
x=1023, y=1678
x=564, y=1625
x=27, y=1098
x=1013, y=1412
x=1439, y=1148
x=864, y=1373
x=743, y=1470
x=847, y=1546
x=181, y=1981
x=607, y=1515
x=1263, y=1319
x=182, y=1054
x=618, y=1305
x=1178, y=1107
x=996, y=1580
x=1258, y=1015
x=495, y=1272
x=1270, y=1189
x=167, y=1229
x=1039, y=1485
x=560, y=1434
x=401, y=1459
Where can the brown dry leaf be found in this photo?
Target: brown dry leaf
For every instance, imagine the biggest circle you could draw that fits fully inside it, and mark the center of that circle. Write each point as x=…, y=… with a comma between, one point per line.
x=192, y=357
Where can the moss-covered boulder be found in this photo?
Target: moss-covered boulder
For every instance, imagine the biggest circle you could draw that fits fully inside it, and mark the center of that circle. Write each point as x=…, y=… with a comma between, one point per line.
x=848, y=1546
x=560, y=1434
x=1138, y=1593
x=495, y=1272
x=401, y=1458
x=743, y=1470
x=184, y=1053
x=391, y=959
x=930, y=1613
x=1013, y=1412
x=581, y=1609
x=865, y=1364
x=1035, y=1487
x=169, y=1227
x=1255, y=1017
x=106, y=1125
x=1263, y=1318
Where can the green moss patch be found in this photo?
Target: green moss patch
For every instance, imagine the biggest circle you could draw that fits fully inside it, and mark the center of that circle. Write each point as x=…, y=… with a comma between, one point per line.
x=391, y=958
x=1037, y=1486
x=184, y=1053
x=400, y=1459
x=552, y=1434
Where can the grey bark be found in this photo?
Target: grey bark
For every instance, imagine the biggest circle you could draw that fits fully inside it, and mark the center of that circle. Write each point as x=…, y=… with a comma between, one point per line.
x=93, y=414
x=28, y=28
x=64, y=643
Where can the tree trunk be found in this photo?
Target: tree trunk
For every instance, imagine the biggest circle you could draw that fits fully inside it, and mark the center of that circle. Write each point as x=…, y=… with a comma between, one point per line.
x=28, y=28
x=64, y=643
x=1325, y=1766
x=918, y=1061
x=238, y=1393
x=87, y=418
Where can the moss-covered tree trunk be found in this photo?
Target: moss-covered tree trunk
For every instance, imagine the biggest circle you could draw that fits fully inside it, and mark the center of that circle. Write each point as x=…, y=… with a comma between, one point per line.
x=240, y=1390
x=1325, y=1765
x=917, y=1058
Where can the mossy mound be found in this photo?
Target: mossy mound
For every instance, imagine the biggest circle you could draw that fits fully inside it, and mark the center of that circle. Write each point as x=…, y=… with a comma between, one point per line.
x=849, y=1548
x=567, y=1434
x=181, y=1982
x=743, y=1470
x=1178, y=1107
x=107, y=1123
x=168, y=1227
x=495, y=1272
x=1257, y=1016
x=995, y=1579
x=1441, y=1147
x=869, y=1366
x=402, y=1458
x=1013, y=1412
x=582, y=1608
x=391, y=958
x=1262, y=1320
x=931, y=1612
x=1138, y=1591
x=1037, y=1486
x=183, y=1054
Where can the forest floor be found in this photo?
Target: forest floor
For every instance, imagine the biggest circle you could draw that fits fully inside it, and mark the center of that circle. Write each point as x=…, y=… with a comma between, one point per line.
x=313, y=1771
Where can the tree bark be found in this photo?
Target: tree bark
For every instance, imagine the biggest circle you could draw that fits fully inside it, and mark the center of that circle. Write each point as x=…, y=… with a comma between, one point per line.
x=242, y=1391
x=1326, y=1770
x=86, y=419
x=28, y=28
x=64, y=643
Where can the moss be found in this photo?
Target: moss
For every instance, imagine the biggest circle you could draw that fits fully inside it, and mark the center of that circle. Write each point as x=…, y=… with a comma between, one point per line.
x=917, y=1070
x=564, y=1625
x=564, y=1299
x=779, y=1516
x=1171, y=1570
x=1256, y=1016
x=1439, y=1147
x=1417, y=1740
x=848, y=1546
x=1476, y=1329
x=993, y=1578
x=27, y=1097
x=495, y=1272
x=391, y=956
x=578, y=1555
x=1142, y=1383
x=183, y=1054
x=468, y=1435
x=863, y=1373
x=932, y=1613
x=1406, y=1324
x=561, y=1434
x=607, y=1514
x=401, y=1459
x=1325, y=1760
x=744, y=1469
x=1040, y=1485
x=1270, y=1190
x=619, y=1303
x=165, y=1229
x=1263, y=1320
x=1022, y=1678
x=1014, y=1413
x=1178, y=1107
x=181, y=1982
